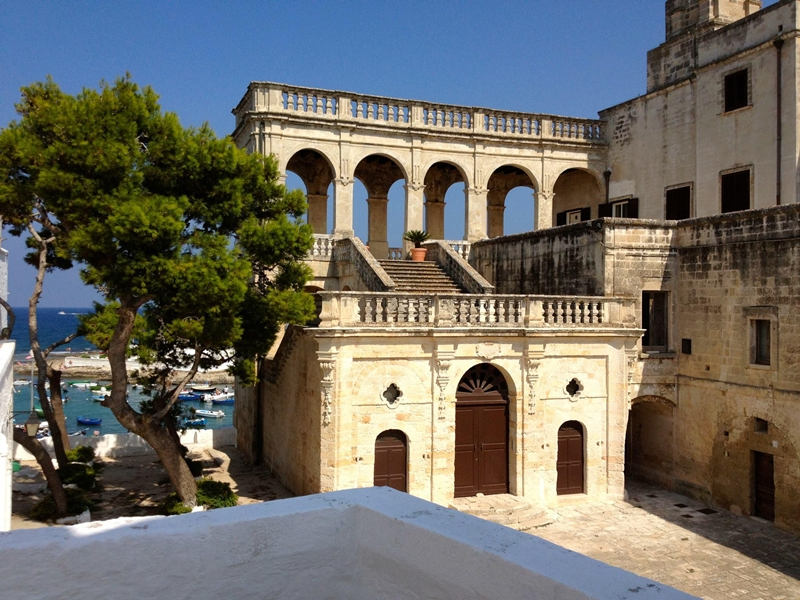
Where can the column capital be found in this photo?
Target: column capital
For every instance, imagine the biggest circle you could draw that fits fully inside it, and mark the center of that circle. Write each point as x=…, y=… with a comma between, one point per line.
x=477, y=191
x=414, y=186
x=345, y=181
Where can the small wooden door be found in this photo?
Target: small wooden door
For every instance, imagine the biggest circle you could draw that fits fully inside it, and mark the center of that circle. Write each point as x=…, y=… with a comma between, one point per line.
x=569, y=463
x=764, y=479
x=391, y=460
x=481, y=448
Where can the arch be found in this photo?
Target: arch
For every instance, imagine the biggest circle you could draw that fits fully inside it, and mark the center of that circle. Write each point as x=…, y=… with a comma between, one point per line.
x=317, y=173
x=650, y=440
x=391, y=460
x=378, y=173
x=439, y=178
x=571, y=461
x=652, y=398
x=578, y=192
x=503, y=180
x=482, y=423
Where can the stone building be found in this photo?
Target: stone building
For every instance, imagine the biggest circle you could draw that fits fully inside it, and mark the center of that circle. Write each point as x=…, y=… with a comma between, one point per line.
x=646, y=325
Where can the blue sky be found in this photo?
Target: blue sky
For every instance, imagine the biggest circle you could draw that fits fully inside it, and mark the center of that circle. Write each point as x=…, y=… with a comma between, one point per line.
x=568, y=57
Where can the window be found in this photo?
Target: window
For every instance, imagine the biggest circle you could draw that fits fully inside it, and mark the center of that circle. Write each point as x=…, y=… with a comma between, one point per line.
x=760, y=342
x=678, y=203
x=654, y=321
x=736, y=85
x=575, y=215
x=621, y=209
x=735, y=191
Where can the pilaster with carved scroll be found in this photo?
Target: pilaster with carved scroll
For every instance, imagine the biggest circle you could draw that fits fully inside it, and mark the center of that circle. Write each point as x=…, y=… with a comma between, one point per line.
x=533, y=358
x=327, y=363
x=443, y=362
x=631, y=360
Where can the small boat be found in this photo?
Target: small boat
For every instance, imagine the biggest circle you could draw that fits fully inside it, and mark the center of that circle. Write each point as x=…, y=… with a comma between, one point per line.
x=77, y=433
x=203, y=388
x=83, y=384
x=89, y=421
x=225, y=400
x=190, y=397
x=211, y=414
x=217, y=396
x=195, y=422
x=21, y=382
x=40, y=413
x=61, y=312
x=99, y=397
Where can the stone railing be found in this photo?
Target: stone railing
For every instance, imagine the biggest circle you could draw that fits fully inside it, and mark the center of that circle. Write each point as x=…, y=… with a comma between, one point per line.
x=396, y=254
x=268, y=98
x=369, y=309
x=366, y=266
x=322, y=248
x=457, y=268
x=460, y=246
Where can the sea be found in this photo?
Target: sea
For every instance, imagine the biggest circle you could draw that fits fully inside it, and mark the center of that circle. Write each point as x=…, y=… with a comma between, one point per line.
x=55, y=324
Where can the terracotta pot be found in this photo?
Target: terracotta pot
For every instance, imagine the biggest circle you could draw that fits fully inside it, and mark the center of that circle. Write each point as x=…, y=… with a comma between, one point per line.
x=418, y=254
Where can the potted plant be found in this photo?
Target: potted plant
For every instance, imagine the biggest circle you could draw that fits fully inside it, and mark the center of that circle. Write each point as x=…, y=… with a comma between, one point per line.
x=417, y=237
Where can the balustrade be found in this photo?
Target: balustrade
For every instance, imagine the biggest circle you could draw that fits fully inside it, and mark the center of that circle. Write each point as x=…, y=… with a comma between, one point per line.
x=396, y=254
x=322, y=248
x=392, y=309
x=460, y=246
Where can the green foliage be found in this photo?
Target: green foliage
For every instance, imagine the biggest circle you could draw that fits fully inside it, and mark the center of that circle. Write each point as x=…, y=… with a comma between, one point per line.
x=211, y=494
x=82, y=454
x=45, y=510
x=80, y=474
x=416, y=236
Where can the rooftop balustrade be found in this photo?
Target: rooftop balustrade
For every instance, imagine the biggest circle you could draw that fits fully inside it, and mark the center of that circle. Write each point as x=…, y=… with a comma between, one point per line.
x=276, y=99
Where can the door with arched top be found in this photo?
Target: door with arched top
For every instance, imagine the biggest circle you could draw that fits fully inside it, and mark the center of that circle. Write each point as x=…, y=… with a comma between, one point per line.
x=391, y=460
x=569, y=464
x=481, y=453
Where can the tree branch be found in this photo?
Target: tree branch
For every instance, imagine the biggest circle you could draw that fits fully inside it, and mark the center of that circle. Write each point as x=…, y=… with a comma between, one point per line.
x=7, y=331
x=173, y=396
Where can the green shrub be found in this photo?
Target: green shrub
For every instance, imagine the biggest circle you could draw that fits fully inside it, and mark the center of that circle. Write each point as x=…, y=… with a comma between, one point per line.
x=82, y=454
x=172, y=505
x=80, y=474
x=45, y=510
x=215, y=494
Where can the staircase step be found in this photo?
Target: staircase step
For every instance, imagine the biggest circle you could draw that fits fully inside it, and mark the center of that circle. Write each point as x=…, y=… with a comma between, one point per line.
x=425, y=277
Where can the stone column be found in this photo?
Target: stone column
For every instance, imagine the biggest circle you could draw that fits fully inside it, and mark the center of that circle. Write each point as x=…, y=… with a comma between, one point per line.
x=413, y=216
x=544, y=209
x=475, y=200
x=496, y=220
x=378, y=245
x=343, y=208
x=434, y=219
x=318, y=212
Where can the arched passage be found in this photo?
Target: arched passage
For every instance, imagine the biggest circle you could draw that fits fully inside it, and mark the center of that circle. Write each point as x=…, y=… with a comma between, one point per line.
x=649, y=441
x=502, y=181
x=570, y=461
x=438, y=180
x=577, y=194
x=378, y=173
x=316, y=173
x=481, y=450
x=391, y=460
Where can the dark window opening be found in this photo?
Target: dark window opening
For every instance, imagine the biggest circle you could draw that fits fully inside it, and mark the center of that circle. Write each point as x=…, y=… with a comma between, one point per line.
x=654, y=321
x=678, y=204
x=686, y=346
x=760, y=425
x=574, y=216
x=735, y=191
x=736, y=90
x=761, y=342
x=621, y=209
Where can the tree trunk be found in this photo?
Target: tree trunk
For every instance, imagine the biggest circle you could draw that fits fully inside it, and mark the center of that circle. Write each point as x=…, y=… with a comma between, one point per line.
x=55, y=424
x=59, y=433
x=33, y=446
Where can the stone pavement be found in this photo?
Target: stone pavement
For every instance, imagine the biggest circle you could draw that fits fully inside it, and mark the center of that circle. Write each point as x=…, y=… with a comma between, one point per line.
x=670, y=538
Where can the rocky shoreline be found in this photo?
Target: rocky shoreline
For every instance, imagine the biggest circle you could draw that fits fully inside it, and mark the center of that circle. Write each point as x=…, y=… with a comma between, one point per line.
x=99, y=368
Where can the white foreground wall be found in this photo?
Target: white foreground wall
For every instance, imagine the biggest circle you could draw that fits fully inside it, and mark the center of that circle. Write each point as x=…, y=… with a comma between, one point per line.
x=6, y=433
x=129, y=444
x=355, y=544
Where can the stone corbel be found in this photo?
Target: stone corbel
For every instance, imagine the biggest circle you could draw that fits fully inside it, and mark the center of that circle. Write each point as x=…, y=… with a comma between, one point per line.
x=415, y=186
x=533, y=358
x=443, y=362
x=344, y=180
x=327, y=363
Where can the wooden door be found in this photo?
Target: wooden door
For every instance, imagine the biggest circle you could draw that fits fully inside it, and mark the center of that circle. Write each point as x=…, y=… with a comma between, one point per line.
x=764, y=479
x=391, y=460
x=481, y=445
x=569, y=463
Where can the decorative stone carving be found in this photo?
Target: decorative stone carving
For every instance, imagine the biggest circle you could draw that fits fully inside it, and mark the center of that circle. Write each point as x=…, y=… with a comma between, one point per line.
x=446, y=312
x=532, y=376
x=630, y=355
x=486, y=351
x=328, y=365
x=574, y=389
x=391, y=395
x=442, y=379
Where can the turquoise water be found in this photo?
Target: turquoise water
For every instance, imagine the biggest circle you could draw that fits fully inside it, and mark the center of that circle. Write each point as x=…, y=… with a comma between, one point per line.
x=80, y=404
x=54, y=325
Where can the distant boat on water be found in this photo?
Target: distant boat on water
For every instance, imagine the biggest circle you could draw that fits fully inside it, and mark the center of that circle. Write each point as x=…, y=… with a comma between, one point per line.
x=61, y=312
x=88, y=421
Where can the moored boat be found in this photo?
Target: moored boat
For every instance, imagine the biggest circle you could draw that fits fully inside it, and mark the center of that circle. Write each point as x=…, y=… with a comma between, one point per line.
x=195, y=422
x=217, y=396
x=89, y=421
x=201, y=388
x=211, y=414
x=225, y=400
x=83, y=384
x=190, y=397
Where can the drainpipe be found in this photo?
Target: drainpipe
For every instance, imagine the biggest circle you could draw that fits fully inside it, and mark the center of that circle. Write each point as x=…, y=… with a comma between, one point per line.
x=779, y=129
x=607, y=175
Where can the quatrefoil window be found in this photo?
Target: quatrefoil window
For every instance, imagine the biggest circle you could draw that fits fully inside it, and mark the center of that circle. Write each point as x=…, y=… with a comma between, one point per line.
x=574, y=388
x=392, y=395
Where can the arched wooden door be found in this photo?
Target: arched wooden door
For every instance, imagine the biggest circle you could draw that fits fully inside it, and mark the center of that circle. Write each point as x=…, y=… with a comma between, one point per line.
x=481, y=461
x=391, y=460
x=570, y=459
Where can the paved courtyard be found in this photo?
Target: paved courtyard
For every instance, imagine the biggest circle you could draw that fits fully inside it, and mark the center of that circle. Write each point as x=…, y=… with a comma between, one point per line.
x=672, y=539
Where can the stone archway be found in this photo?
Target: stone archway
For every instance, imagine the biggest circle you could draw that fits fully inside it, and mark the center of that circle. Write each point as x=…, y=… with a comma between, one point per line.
x=438, y=179
x=317, y=175
x=577, y=195
x=502, y=181
x=482, y=420
x=378, y=173
x=649, y=440
x=391, y=460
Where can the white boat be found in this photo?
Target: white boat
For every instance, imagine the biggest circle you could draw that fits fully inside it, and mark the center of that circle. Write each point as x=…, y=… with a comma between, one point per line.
x=212, y=414
x=83, y=384
x=21, y=382
x=217, y=396
x=202, y=388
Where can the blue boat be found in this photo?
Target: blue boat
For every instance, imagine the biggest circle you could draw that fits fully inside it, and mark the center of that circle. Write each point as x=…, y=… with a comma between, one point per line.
x=190, y=397
x=88, y=421
x=195, y=423
x=223, y=401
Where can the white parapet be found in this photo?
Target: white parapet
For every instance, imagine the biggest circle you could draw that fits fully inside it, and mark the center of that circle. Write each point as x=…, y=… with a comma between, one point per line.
x=355, y=544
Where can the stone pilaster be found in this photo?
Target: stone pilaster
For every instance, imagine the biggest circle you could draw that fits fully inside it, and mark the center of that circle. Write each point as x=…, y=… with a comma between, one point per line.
x=434, y=219
x=318, y=212
x=496, y=220
x=378, y=244
x=544, y=209
x=343, y=207
x=475, y=200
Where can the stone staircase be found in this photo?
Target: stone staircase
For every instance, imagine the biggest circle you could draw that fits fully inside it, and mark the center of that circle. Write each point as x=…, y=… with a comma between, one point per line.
x=419, y=277
x=504, y=509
